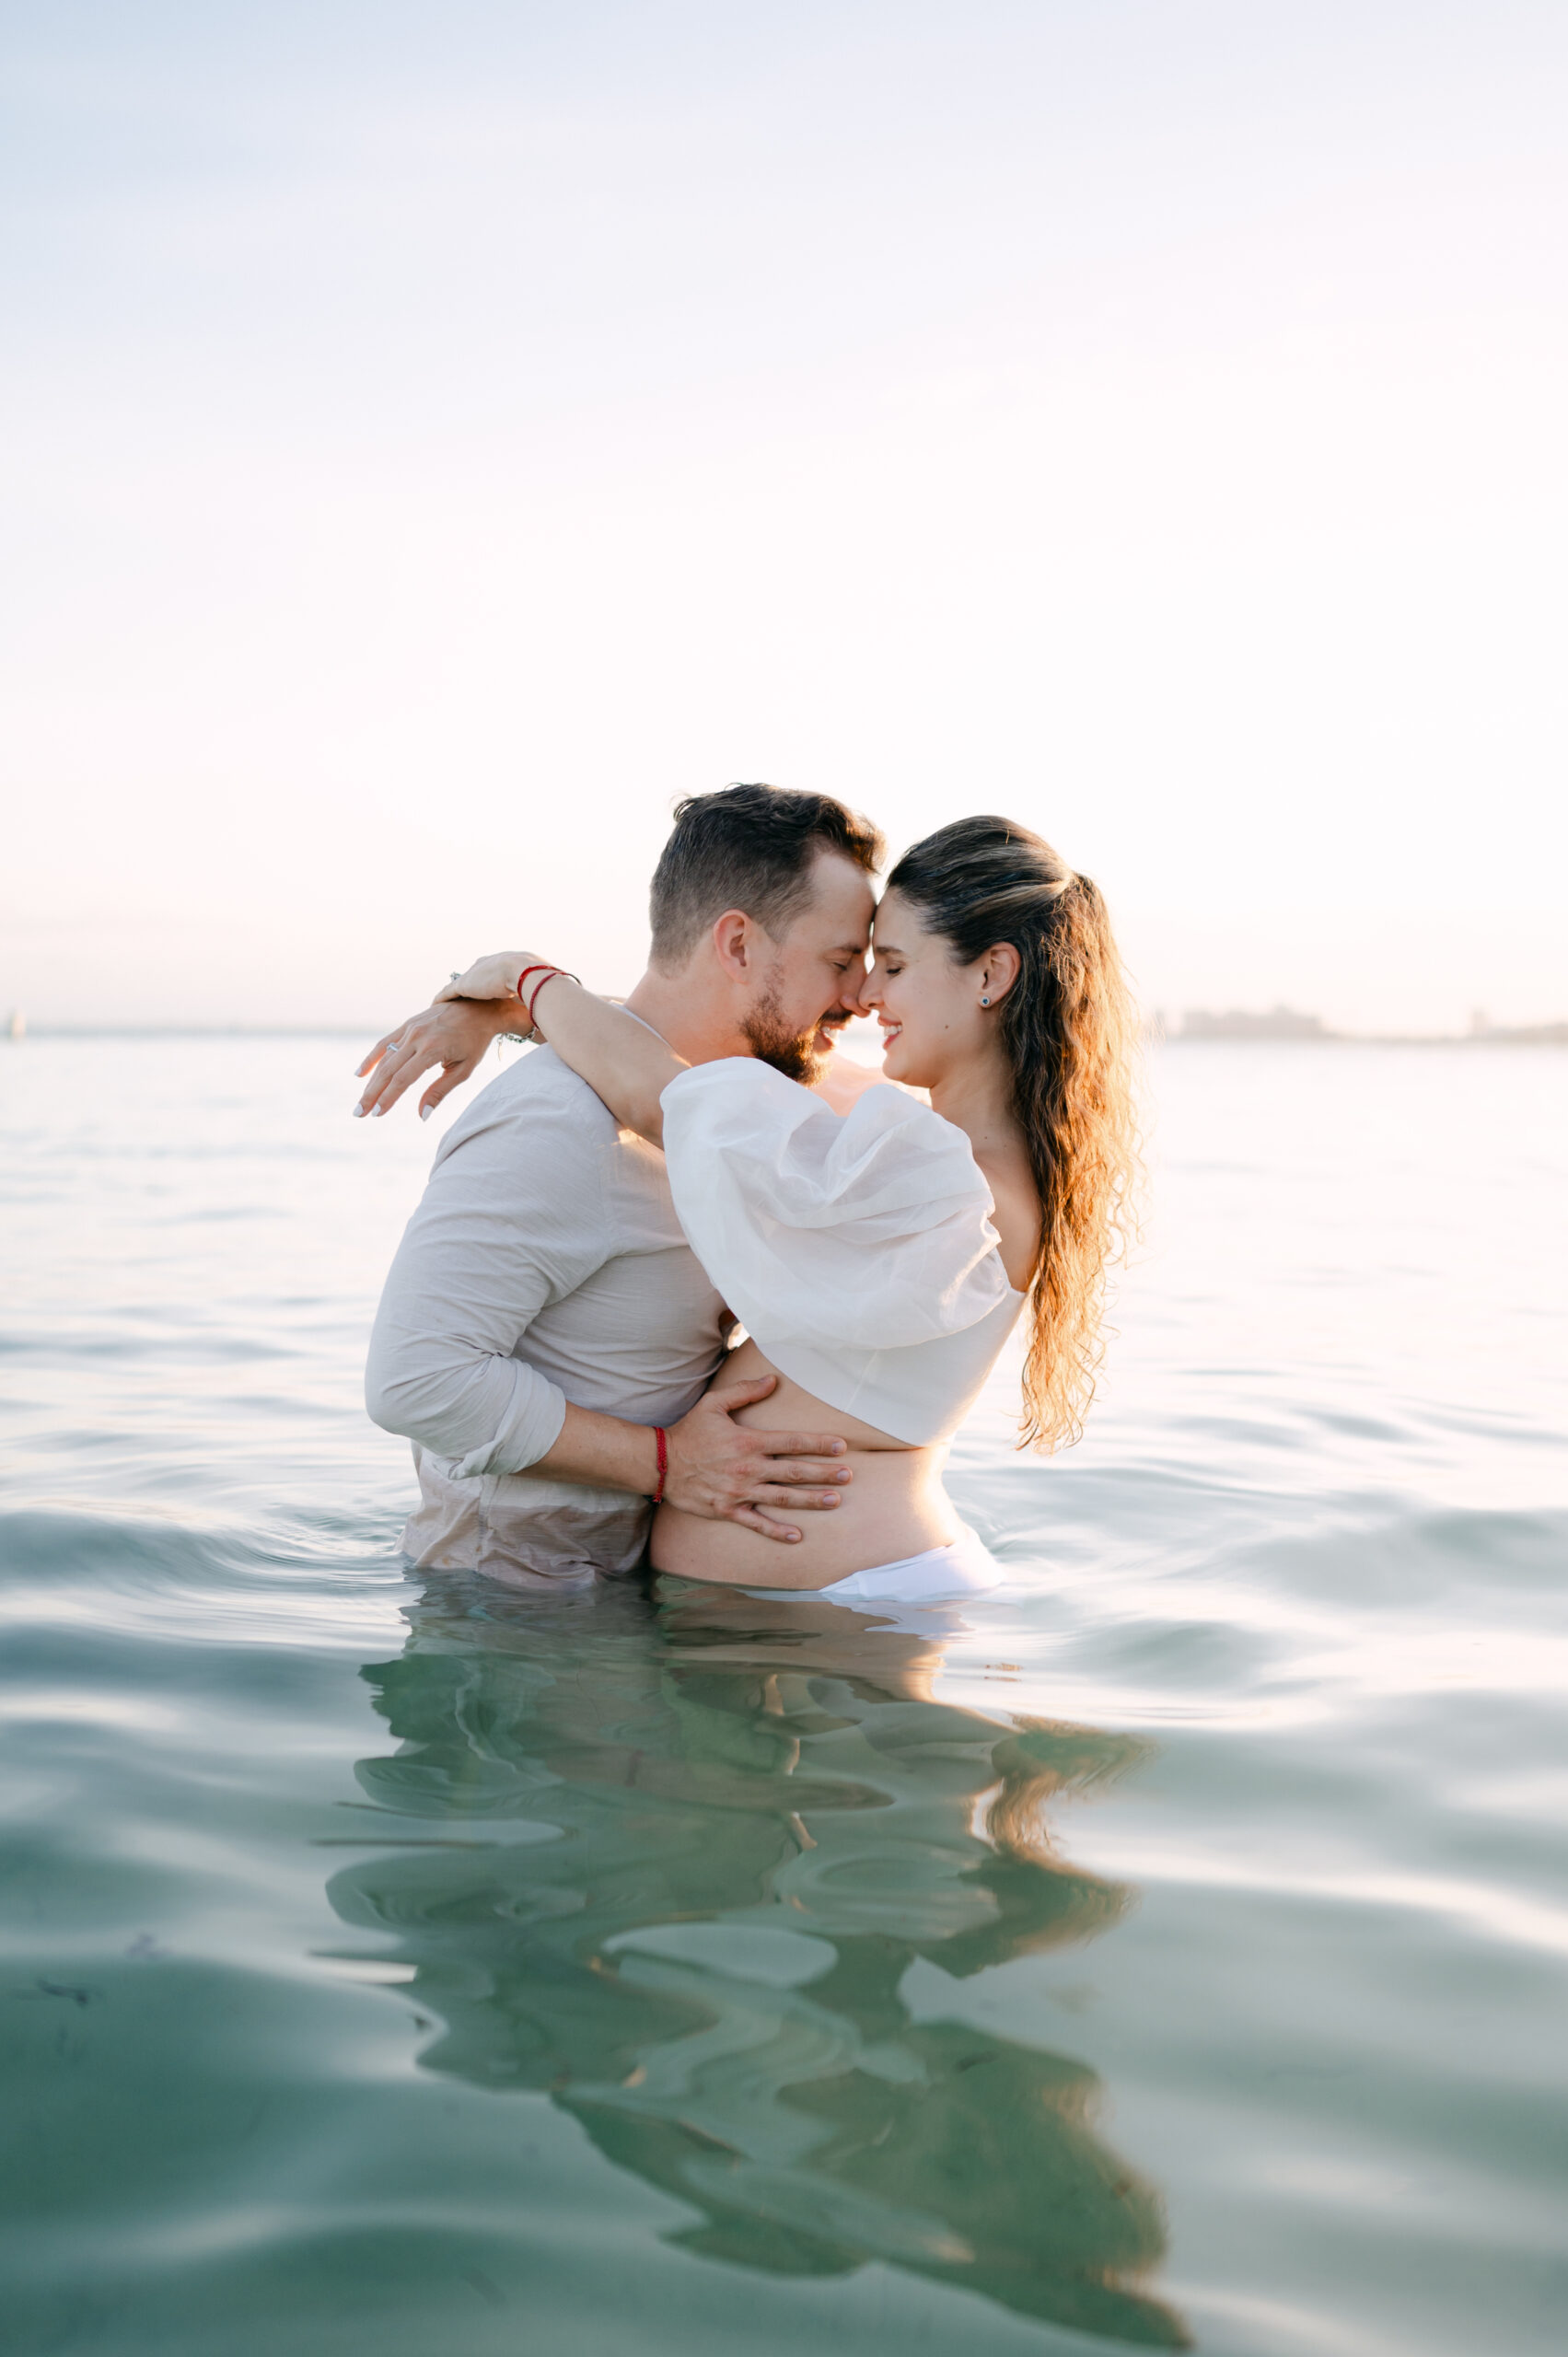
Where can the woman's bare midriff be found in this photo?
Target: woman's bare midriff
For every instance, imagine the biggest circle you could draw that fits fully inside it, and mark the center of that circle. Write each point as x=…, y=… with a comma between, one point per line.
x=895, y=1507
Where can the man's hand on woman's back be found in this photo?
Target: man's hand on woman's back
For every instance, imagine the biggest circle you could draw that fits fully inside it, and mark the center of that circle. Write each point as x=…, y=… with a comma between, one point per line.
x=729, y=1472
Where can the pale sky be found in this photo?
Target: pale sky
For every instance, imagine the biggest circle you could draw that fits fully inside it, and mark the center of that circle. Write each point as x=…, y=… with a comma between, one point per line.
x=434, y=436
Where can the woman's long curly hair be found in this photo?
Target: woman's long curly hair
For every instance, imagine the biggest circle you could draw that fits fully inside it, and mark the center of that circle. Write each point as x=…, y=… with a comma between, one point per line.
x=1070, y=1032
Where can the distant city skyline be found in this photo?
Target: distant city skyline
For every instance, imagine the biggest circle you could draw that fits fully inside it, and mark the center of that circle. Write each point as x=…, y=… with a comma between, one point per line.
x=431, y=441
x=1295, y=1025
x=1413, y=983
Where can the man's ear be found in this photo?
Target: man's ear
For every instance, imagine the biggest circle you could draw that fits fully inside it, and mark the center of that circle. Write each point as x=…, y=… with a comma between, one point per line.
x=734, y=938
x=999, y=971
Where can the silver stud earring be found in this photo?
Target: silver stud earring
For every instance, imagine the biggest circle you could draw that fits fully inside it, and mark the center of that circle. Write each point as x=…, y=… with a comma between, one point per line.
x=985, y=1002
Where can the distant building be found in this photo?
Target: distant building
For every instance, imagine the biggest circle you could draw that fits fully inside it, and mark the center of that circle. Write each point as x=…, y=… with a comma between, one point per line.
x=1525, y=1035
x=1280, y=1023
x=1284, y=1023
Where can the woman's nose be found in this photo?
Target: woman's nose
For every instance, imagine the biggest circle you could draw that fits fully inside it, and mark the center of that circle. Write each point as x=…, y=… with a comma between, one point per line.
x=864, y=996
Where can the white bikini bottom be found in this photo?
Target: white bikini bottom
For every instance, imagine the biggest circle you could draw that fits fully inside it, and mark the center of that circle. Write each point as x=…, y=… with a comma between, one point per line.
x=964, y=1567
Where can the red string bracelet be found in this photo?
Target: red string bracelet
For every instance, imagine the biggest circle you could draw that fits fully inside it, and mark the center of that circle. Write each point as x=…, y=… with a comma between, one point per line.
x=550, y=977
x=543, y=966
x=662, y=1438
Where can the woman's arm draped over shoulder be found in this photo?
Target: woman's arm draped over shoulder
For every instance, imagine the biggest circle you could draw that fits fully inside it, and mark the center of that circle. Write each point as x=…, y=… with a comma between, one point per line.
x=626, y=1063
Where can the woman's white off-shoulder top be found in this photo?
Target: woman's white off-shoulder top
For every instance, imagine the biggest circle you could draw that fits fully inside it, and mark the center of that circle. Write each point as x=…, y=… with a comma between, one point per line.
x=857, y=1251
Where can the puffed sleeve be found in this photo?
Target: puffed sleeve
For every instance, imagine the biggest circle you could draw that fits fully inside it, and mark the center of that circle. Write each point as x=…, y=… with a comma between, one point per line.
x=872, y=1230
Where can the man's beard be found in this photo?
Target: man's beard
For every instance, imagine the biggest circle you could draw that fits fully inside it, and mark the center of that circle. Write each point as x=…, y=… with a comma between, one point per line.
x=772, y=1041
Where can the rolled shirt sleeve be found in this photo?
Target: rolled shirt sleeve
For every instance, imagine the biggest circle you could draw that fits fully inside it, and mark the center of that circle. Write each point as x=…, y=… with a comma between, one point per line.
x=512, y=1219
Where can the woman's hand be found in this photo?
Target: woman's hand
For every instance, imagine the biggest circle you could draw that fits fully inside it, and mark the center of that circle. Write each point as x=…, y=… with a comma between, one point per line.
x=489, y=978
x=455, y=1037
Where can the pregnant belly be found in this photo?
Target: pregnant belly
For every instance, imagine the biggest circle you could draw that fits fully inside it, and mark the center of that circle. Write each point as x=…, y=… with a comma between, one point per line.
x=894, y=1506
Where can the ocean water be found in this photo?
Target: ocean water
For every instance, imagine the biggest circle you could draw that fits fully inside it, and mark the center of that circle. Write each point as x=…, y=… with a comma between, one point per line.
x=1172, y=1951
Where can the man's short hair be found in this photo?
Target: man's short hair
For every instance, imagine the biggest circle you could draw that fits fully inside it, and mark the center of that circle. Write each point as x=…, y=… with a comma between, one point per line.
x=751, y=847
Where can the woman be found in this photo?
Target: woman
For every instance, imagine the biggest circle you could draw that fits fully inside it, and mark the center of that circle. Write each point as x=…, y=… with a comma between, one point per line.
x=879, y=1260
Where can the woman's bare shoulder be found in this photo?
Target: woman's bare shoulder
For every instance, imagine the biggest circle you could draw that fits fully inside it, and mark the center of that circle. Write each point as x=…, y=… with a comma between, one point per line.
x=1015, y=1215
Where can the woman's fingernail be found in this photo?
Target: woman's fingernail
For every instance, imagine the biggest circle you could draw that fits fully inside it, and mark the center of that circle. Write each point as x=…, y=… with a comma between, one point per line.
x=376, y=1111
x=425, y=1111
x=359, y=1112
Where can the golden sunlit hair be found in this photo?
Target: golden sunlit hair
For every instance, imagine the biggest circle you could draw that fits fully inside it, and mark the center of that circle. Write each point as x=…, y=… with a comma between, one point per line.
x=1069, y=1030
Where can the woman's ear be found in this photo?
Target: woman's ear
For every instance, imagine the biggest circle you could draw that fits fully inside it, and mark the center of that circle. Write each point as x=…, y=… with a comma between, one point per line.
x=998, y=972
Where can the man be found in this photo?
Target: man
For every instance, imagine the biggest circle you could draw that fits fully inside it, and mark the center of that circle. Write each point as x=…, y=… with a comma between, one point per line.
x=544, y=1312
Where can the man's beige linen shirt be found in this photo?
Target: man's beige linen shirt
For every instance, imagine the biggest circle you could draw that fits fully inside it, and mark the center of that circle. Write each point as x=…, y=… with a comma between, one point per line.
x=544, y=1263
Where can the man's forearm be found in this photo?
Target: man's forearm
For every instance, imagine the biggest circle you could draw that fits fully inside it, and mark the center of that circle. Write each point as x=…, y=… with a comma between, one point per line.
x=601, y=1451
x=716, y=1467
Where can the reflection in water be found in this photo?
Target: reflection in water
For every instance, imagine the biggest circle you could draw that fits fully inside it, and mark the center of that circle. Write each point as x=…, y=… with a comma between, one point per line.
x=694, y=1850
